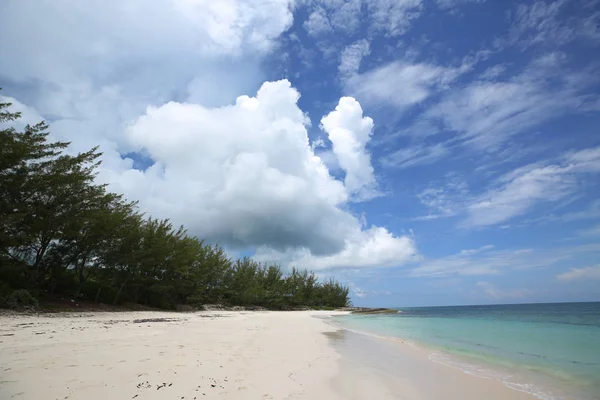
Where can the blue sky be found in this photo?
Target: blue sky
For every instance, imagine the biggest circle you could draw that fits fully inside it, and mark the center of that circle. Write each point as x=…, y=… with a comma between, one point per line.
x=424, y=152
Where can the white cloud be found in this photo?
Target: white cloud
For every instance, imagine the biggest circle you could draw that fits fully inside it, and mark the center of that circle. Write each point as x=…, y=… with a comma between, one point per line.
x=386, y=17
x=91, y=68
x=342, y=16
x=349, y=132
x=371, y=248
x=358, y=292
x=415, y=155
x=232, y=24
x=539, y=23
x=452, y=4
x=352, y=56
x=580, y=273
x=487, y=114
x=487, y=261
x=241, y=174
x=593, y=231
x=494, y=293
x=29, y=116
x=443, y=200
x=245, y=175
x=517, y=196
x=399, y=84
x=318, y=23
x=586, y=160
x=492, y=73
x=518, y=191
x=393, y=17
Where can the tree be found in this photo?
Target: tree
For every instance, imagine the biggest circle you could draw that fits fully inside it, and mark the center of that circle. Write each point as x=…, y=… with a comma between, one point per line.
x=61, y=232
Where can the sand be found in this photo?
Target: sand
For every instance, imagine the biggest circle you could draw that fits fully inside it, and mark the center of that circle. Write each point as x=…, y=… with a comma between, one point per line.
x=209, y=355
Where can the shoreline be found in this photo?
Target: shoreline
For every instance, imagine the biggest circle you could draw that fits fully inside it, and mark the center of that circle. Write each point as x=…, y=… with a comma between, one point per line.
x=533, y=384
x=406, y=371
x=221, y=355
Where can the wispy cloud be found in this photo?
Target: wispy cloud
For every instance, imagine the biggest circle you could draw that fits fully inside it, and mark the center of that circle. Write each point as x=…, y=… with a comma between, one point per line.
x=453, y=4
x=318, y=23
x=388, y=18
x=393, y=17
x=487, y=260
x=487, y=114
x=444, y=200
x=497, y=294
x=520, y=190
x=580, y=273
x=590, y=212
x=352, y=56
x=415, y=155
x=400, y=84
x=593, y=231
x=358, y=292
x=538, y=23
x=543, y=23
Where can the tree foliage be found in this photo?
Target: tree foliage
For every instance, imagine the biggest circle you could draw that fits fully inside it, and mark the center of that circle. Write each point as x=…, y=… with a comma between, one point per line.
x=62, y=233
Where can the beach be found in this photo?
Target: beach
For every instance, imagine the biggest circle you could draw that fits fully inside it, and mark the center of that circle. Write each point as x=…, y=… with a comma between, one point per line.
x=217, y=355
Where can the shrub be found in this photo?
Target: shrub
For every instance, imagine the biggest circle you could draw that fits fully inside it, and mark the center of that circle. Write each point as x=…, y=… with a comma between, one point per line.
x=21, y=299
x=4, y=293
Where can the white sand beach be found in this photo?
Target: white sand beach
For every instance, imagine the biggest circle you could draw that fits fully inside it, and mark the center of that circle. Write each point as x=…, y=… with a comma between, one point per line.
x=209, y=355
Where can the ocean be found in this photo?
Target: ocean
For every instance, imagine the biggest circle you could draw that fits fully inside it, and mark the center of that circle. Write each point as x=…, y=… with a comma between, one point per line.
x=549, y=350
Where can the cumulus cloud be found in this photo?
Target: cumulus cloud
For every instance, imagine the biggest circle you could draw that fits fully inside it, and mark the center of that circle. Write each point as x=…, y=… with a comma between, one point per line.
x=580, y=273
x=349, y=132
x=112, y=59
x=374, y=247
x=245, y=175
x=162, y=81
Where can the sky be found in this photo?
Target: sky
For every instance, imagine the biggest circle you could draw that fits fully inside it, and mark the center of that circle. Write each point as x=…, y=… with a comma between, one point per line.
x=423, y=152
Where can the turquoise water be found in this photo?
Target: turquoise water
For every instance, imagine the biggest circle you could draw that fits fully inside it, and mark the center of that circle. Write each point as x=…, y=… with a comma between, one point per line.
x=550, y=350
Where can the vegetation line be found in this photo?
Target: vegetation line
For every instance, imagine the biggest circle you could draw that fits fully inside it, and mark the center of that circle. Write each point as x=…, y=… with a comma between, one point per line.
x=61, y=233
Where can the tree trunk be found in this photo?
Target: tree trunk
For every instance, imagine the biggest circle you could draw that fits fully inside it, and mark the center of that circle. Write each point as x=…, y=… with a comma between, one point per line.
x=78, y=292
x=119, y=293
x=97, y=294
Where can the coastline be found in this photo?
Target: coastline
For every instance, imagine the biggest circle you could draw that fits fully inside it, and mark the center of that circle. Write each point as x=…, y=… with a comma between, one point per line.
x=405, y=371
x=552, y=373
x=224, y=355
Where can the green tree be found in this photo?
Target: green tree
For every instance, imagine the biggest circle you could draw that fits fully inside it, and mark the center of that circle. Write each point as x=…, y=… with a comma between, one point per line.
x=63, y=233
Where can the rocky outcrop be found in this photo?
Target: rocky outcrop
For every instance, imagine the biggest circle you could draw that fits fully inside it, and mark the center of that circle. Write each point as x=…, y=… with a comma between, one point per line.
x=369, y=310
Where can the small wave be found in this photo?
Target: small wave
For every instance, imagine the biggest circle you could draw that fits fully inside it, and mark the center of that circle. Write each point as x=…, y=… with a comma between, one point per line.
x=470, y=369
x=507, y=380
